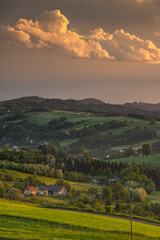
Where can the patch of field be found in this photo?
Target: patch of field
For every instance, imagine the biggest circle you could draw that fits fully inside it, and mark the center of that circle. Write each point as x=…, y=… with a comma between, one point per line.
x=50, y=180
x=152, y=160
x=21, y=221
x=66, y=142
x=42, y=118
x=154, y=197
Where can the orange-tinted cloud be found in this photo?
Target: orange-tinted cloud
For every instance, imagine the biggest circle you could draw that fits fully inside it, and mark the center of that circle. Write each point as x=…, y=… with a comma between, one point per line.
x=50, y=29
x=126, y=47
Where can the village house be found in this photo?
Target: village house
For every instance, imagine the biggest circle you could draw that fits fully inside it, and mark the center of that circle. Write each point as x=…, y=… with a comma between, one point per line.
x=30, y=190
x=114, y=180
x=75, y=155
x=56, y=190
x=41, y=190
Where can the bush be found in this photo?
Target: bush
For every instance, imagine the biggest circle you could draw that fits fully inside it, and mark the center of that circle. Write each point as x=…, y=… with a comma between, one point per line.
x=139, y=194
x=108, y=209
x=81, y=205
x=2, y=191
x=118, y=208
x=10, y=178
x=14, y=194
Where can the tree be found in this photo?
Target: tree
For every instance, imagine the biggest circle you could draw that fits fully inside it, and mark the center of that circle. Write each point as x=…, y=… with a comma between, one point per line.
x=118, y=207
x=130, y=151
x=107, y=172
x=99, y=172
x=149, y=186
x=108, y=209
x=14, y=194
x=59, y=173
x=147, y=149
x=107, y=194
x=2, y=191
x=92, y=171
x=139, y=194
x=152, y=122
x=120, y=193
x=60, y=182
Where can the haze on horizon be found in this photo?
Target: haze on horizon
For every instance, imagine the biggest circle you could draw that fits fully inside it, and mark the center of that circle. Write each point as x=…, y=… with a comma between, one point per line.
x=104, y=49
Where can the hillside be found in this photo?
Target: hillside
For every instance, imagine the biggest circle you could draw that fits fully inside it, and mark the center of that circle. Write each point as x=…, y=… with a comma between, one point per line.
x=75, y=130
x=68, y=128
x=19, y=221
x=90, y=104
x=89, y=123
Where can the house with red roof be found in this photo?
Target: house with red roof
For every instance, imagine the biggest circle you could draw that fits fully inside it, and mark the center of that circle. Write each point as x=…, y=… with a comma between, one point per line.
x=30, y=190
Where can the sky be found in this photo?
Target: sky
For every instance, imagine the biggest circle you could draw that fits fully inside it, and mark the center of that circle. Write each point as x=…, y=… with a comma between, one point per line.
x=104, y=49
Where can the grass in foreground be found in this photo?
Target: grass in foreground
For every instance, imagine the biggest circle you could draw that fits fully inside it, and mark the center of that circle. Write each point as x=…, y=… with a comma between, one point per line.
x=20, y=221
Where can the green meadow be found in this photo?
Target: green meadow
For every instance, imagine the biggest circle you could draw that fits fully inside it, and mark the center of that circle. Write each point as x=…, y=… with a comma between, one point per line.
x=154, y=197
x=43, y=118
x=21, y=221
x=50, y=180
x=152, y=160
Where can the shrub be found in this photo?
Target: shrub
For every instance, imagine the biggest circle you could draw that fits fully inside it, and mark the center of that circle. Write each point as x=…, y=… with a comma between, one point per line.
x=2, y=191
x=139, y=194
x=81, y=205
x=108, y=209
x=118, y=207
x=14, y=194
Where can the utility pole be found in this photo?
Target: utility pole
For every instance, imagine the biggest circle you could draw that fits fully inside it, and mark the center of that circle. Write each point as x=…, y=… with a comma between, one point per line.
x=131, y=219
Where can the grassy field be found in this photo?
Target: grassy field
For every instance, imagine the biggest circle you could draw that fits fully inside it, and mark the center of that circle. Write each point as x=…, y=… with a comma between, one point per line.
x=20, y=221
x=154, y=197
x=152, y=160
x=43, y=118
x=50, y=180
x=82, y=120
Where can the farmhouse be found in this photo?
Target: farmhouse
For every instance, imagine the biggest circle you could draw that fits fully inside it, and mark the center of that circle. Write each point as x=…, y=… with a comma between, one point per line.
x=42, y=191
x=56, y=190
x=30, y=190
x=114, y=180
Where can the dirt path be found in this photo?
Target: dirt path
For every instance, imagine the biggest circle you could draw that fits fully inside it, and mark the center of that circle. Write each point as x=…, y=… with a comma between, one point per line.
x=111, y=216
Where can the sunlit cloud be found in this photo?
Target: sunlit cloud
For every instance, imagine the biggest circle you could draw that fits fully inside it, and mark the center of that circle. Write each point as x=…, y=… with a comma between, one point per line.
x=50, y=29
x=144, y=1
x=126, y=47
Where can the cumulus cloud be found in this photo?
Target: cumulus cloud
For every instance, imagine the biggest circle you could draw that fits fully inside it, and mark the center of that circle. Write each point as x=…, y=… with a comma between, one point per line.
x=126, y=47
x=50, y=29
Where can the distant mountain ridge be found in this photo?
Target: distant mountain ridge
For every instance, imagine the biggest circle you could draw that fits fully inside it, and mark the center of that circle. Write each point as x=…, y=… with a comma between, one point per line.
x=145, y=106
x=35, y=103
x=40, y=99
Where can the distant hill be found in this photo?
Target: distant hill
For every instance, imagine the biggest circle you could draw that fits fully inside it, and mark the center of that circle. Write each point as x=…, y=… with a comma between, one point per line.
x=35, y=103
x=26, y=99
x=144, y=106
x=88, y=123
x=91, y=101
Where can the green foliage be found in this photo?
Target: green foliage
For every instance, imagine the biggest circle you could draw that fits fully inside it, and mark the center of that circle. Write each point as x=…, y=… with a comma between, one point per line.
x=118, y=207
x=139, y=194
x=14, y=194
x=108, y=209
x=61, y=182
x=2, y=191
x=146, y=149
x=120, y=193
x=4, y=156
x=107, y=194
